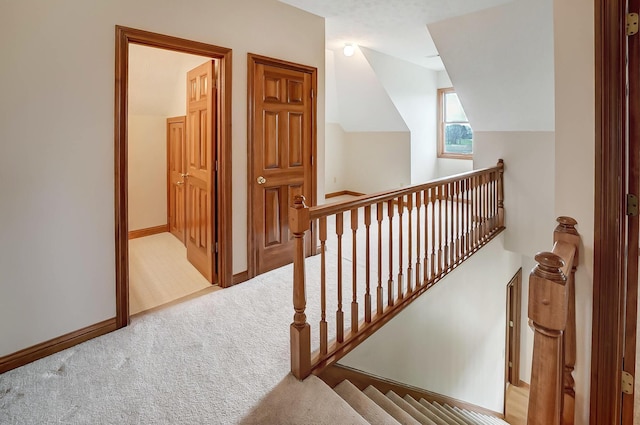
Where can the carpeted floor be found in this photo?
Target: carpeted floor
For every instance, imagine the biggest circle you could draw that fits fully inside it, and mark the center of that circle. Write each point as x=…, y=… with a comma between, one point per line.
x=208, y=360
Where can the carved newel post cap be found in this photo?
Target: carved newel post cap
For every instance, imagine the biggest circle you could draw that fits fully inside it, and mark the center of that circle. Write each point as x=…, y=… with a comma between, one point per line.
x=549, y=265
x=298, y=201
x=566, y=221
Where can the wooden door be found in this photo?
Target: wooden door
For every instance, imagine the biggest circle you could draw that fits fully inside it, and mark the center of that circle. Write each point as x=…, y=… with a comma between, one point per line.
x=176, y=172
x=514, y=302
x=282, y=146
x=633, y=224
x=200, y=164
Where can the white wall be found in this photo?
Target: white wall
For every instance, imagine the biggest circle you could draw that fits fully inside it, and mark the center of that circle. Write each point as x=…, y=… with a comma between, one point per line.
x=413, y=90
x=528, y=185
x=575, y=159
x=336, y=158
x=57, y=251
x=147, y=171
x=377, y=161
x=452, y=339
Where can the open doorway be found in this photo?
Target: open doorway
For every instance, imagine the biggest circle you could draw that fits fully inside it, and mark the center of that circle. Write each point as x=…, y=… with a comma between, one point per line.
x=163, y=268
x=217, y=172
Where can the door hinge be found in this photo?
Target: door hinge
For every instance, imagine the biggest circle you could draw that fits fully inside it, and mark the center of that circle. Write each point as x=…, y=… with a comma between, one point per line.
x=216, y=166
x=632, y=23
x=632, y=205
x=312, y=94
x=214, y=248
x=510, y=323
x=627, y=383
x=510, y=364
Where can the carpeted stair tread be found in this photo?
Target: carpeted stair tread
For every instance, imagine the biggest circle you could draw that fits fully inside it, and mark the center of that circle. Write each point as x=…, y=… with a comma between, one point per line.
x=441, y=412
x=362, y=404
x=422, y=409
x=294, y=402
x=471, y=417
x=483, y=419
x=389, y=406
x=464, y=418
x=404, y=405
x=488, y=420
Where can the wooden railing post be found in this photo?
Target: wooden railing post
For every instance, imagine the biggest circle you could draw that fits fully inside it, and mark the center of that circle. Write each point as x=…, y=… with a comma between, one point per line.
x=547, y=317
x=300, y=329
x=566, y=232
x=500, y=193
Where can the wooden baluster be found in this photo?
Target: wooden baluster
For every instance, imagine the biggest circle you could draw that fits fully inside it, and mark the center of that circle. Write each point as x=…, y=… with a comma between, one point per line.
x=444, y=196
x=400, y=247
x=494, y=198
x=418, y=240
x=379, y=209
x=390, y=298
x=324, y=338
x=410, y=244
x=339, y=312
x=500, y=193
x=566, y=232
x=300, y=331
x=486, y=207
x=367, y=296
x=548, y=318
x=439, y=197
x=354, y=268
x=425, y=263
x=463, y=218
x=476, y=211
x=434, y=257
x=452, y=226
x=458, y=189
x=469, y=222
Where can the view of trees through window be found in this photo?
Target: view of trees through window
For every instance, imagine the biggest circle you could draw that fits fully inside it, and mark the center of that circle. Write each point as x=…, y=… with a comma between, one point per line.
x=455, y=135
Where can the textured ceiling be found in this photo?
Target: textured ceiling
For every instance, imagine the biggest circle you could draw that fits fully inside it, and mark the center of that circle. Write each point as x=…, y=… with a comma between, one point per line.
x=395, y=27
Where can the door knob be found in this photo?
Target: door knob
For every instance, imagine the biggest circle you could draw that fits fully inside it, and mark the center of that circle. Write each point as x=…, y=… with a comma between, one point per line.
x=261, y=180
x=184, y=175
x=179, y=183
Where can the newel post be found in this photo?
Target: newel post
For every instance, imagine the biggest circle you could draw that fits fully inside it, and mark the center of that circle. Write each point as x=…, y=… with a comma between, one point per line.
x=566, y=232
x=547, y=317
x=300, y=329
x=500, y=193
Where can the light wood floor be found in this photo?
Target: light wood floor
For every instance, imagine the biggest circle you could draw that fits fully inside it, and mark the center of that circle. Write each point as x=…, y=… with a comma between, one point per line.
x=517, y=401
x=159, y=273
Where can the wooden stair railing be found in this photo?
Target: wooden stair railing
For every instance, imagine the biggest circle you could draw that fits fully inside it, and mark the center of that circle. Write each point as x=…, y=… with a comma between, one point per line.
x=402, y=242
x=553, y=319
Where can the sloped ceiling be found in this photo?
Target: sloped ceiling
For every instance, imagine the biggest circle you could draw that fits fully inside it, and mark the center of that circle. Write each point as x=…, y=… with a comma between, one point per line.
x=360, y=103
x=500, y=61
x=394, y=27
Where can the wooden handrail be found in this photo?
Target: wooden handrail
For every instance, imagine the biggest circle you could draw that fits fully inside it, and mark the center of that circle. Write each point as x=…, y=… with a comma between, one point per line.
x=402, y=242
x=552, y=317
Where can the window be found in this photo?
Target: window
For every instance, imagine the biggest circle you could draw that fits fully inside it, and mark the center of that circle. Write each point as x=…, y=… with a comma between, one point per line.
x=455, y=137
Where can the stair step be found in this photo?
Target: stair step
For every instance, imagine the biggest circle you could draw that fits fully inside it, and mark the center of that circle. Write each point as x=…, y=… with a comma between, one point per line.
x=389, y=406
x=488, y=420
x=428, y=413
x=458, y=415
x=441, y=412
x=364, y=405
x=404, y=405
x=471, y=417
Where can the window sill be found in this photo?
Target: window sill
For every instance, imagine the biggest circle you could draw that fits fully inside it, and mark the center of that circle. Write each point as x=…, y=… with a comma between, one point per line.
x=455, y=156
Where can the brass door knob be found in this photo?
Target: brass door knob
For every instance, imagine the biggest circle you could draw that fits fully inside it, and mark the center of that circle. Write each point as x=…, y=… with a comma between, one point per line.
x=179, y=183
x=261, y=180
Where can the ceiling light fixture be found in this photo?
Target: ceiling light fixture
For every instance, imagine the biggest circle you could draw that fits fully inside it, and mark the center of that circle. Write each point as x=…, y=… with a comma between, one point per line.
x=349, y=49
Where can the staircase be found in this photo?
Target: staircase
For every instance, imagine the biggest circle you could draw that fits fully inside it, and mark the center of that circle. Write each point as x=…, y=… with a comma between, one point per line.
x=378, y=408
